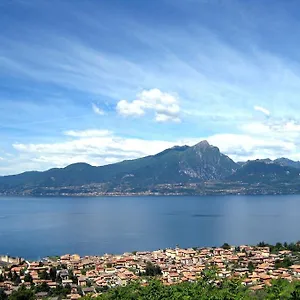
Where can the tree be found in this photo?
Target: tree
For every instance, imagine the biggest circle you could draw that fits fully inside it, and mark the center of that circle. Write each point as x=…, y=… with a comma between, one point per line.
x=43, y=275
x=3, y=296
x=52, y=274
x=262, y=244
x=72, y=277
x=28, y=278
x=22, y=294
x=68, y=288
x=152, y=270
x=60, y=291
x=251, y=267
x=285, y=263
x=10, y=275
x=15, y=278
x=226, y=246
x=2, y=279
x=44, y=287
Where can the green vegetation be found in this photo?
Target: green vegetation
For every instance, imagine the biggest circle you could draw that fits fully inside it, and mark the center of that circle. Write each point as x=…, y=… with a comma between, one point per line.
x=54, y=258
x=294, y=247
x=285, y=263
x=22, y=294
x=203, y=289
x=152, y=270
x=226, y=246
x=28, y=278
x=251, y=267
x=43, y=275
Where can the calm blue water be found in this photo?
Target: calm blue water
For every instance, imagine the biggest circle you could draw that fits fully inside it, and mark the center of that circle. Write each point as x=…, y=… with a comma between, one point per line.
x=37, y=227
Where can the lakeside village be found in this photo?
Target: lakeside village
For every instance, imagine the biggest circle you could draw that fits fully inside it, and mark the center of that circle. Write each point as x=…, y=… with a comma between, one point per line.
x=72, y=276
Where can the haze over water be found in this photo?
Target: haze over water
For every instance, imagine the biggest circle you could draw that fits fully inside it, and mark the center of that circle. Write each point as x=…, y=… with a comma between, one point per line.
x=37, y=227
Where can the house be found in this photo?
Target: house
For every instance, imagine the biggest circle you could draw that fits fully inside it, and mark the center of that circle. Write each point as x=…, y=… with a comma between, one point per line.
x=82, y=281
x=63, y=274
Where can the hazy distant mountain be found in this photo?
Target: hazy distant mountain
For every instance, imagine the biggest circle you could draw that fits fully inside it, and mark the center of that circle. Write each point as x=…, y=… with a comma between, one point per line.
x=201, y=162
x=200, y=169
x=258, y=171
x=287, y=162
x=265, y=160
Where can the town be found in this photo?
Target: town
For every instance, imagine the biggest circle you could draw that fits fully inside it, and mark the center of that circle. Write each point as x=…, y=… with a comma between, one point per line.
x=72, y=276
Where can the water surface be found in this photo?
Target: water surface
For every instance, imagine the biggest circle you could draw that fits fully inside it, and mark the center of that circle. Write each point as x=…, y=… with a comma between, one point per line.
x=37, y=227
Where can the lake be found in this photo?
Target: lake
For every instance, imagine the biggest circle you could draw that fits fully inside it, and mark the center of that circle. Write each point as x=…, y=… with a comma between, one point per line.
x=37, y=227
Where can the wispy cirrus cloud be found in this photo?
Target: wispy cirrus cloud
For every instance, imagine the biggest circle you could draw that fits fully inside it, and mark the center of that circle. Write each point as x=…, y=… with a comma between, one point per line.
x=263, y=110
x=220, y=76
x=97, y=110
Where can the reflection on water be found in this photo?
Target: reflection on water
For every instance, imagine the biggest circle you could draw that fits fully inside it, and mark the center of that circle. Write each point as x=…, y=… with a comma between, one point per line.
x=36, y=227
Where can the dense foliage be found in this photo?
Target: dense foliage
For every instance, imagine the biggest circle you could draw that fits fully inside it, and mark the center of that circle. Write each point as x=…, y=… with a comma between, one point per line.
x=203, y=289
x=294, y=247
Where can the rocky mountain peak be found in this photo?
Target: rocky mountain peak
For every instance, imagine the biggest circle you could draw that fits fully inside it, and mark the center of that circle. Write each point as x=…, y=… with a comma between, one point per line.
x=203, y=144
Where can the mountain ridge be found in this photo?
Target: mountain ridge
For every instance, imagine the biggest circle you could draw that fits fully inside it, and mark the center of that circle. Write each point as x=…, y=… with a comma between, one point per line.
x=198, y=169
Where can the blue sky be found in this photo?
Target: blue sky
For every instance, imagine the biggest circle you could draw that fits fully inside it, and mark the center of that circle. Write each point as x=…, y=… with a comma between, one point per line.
x=103, y=81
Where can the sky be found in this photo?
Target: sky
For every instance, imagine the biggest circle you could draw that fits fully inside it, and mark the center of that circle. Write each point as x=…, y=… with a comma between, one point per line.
x=103, y=81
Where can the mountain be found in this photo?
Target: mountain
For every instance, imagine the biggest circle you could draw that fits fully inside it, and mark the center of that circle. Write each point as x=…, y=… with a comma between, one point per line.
x=287, y=162
x=199, y=163
x=264, y=172
x=265, y=160
x=200, y=169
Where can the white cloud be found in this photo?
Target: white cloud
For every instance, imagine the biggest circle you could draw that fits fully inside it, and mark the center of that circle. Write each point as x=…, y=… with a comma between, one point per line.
x=165, y=118
x=242, y=147
x=165, y=105
x=87, y=133
x=135, y=108
x=277, y=129
x=100, y=147
x=97, y=110
x=263, y=110
x=256, y=127
x=97, y=147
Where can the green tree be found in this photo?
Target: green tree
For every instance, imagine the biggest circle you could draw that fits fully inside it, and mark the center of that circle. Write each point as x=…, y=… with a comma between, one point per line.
x=72, y=277
x=152, y=270
x=226, y=246
x=22, y=294
x=2, y=278
x=10, y=275
x=52, y=274
x=43, y=275
x=43, y=287
x=28, y=278
x=285, y=263
x=251, y=267
x=3, y=295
